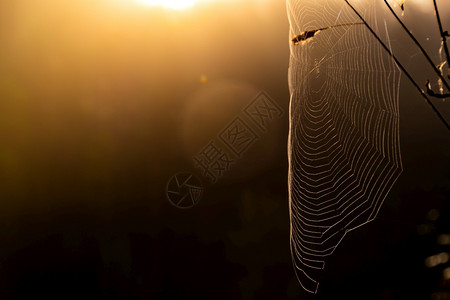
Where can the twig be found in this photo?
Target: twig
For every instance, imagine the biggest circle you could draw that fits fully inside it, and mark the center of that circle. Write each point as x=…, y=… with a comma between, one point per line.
x=431, y=93
x=306, y=35
x=436, y=111
x=433, y=65
x=443, y=34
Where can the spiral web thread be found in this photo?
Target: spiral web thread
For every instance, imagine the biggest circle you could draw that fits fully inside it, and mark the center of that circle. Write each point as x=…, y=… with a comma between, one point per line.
x=344, y=154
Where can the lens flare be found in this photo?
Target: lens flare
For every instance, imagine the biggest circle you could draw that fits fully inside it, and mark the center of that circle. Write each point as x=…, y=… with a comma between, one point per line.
x=172, y=4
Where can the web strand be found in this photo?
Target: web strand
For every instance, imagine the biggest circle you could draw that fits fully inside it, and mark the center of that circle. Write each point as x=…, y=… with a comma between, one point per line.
x=344, y=153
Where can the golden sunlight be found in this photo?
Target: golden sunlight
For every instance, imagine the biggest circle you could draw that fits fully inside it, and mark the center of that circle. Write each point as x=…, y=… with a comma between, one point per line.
x=173, y=4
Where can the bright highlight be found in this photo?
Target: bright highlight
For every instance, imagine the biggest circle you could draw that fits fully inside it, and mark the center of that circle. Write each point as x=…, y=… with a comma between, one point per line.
x=173, y=4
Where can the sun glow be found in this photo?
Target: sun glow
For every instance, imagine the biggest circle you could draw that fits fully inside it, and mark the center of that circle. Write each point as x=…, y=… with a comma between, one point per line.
x=173, y=4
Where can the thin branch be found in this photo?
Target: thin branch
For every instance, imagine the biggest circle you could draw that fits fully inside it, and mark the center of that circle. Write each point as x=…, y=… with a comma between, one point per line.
x=436, y=111
x=433, y=65
x=443, y=34
x=306, y=35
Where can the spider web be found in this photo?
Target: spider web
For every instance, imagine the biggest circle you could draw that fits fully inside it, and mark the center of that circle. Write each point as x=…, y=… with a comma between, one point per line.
x=344, y=154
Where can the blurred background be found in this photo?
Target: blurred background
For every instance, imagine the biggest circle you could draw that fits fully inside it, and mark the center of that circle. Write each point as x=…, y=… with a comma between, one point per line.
x=103, y=102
